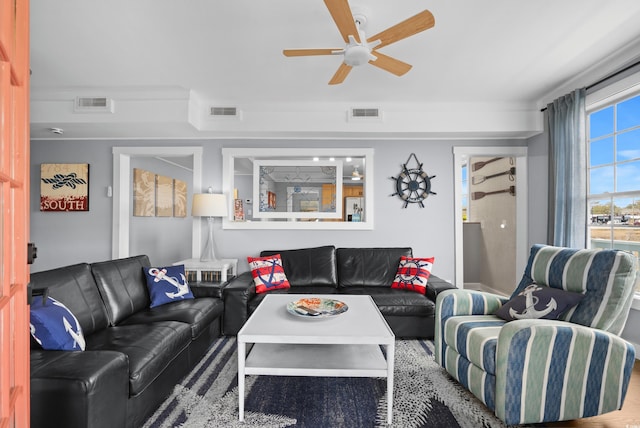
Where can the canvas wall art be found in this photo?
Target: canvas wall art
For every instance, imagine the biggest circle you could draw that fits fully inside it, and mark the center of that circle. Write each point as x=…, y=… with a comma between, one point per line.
x=164, y=196
x=179, y=198
x=144, y=193
x=64, y=187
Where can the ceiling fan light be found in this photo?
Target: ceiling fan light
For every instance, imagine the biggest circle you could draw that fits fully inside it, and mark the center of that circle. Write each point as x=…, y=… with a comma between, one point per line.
x=356, y=55
x=355, y=175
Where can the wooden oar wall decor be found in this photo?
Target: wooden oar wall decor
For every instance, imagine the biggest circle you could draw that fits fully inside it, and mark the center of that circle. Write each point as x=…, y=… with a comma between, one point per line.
x=477, y=165
x=480, y=195
x=482, y=178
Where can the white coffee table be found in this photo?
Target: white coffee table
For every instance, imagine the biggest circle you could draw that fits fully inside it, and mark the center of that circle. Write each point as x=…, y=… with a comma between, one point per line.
x=346, y=345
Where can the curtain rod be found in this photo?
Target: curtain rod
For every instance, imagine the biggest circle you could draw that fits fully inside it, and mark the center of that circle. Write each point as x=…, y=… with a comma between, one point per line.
x=610, y=76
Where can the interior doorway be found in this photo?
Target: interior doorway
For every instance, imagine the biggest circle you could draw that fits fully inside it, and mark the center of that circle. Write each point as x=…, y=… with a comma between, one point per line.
x=122, y=199
x=491, y=211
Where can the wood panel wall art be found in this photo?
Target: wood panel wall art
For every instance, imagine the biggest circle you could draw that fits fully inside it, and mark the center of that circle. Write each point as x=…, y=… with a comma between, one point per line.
x=156, y=195
x=64, y=187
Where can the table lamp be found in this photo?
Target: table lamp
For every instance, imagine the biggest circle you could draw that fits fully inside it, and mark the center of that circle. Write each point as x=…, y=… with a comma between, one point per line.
x=209, y=205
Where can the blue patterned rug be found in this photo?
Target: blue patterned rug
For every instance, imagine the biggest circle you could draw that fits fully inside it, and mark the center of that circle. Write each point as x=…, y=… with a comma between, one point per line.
x=424, y=396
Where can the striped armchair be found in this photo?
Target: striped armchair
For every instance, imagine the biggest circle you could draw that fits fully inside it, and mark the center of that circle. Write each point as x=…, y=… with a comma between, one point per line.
x=539, y=370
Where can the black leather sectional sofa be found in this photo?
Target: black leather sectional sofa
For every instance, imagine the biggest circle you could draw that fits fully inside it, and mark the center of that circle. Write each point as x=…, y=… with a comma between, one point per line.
x=327, y=270
x=134, y=355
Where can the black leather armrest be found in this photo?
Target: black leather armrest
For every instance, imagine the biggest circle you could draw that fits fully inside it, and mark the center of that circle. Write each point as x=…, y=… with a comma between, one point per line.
x=236, y=295
x=207, y=289
x=436, y=285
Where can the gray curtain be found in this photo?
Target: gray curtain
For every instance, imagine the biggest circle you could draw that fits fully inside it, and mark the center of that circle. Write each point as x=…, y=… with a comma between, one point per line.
x=567, y=215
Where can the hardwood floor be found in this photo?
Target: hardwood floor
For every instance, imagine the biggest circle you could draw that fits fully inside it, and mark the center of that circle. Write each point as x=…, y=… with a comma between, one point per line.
x=627, y=417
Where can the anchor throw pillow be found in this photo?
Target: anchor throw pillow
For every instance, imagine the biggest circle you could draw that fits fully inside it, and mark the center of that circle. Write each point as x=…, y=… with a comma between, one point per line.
x=537, y=301
x=268, y=273
x=167, y=284
x=54, y=327
x=413, y=273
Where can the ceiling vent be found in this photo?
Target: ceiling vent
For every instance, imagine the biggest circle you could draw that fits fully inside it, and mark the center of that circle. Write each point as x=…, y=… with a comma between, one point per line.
x=368, y=114
x=225, y=112
x=93, y=105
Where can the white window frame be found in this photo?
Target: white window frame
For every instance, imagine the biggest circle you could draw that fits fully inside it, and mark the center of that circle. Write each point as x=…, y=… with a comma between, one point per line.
x=615, y=93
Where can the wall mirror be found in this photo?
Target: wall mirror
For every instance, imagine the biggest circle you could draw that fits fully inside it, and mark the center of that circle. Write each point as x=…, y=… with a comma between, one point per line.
x=298, y=188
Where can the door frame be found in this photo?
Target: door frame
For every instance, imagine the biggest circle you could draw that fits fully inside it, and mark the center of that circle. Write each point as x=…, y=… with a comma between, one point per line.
x=122, y=196
x=460, y=156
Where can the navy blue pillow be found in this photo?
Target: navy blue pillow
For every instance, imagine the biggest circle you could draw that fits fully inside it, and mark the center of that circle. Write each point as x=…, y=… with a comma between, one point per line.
x=54, y=327
x=537, y=301
x=167, y=284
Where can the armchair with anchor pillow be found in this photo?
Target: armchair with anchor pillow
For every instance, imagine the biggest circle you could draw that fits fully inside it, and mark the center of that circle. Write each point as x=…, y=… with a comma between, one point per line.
x=552, y=351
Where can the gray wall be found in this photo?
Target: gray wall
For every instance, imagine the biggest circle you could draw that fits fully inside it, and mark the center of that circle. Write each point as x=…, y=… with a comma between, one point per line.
x=65, y=238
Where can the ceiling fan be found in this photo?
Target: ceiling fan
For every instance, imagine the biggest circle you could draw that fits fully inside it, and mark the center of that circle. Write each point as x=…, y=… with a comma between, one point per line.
x=359, y=49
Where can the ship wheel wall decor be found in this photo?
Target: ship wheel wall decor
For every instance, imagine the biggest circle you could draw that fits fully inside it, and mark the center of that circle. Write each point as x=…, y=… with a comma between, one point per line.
x=413, y=185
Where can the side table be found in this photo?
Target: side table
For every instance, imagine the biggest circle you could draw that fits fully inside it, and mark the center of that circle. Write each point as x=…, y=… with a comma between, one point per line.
x=214, y=271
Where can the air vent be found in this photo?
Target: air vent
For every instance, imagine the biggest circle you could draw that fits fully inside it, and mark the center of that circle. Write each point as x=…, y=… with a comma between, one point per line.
x=224, y=111
x=93, y=105
x=365, y=113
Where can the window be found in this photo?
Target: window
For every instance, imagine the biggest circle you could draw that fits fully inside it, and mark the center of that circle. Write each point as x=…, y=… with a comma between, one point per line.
x=613, y=142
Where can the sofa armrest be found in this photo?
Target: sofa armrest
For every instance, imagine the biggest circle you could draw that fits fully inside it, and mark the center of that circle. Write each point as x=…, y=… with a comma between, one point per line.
x=236, y=295
x=207, y=289
x=576, y=371
x=456, y=302
x=79, y=389
x=436, y=285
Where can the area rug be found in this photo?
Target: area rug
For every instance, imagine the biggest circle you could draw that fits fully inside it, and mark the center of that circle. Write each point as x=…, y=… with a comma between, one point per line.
x=424, y=396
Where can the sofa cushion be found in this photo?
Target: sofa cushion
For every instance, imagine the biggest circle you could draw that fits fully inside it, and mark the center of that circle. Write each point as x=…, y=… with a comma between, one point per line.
x=167, y=284
x=396, y=302
x=586, y=271
x=123, y=286
x=198, y=313
x=413, y=274
x=307, y=289
x=537, y=301
x=369, y=267
x=54, y=327
x=309, y=266
x=75, y=286
x=267, y=273
x=149, y=347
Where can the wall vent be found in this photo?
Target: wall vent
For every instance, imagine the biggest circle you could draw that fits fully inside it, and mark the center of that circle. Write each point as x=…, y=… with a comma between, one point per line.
x=224, y=111
x=365, y=113
x=93, y=105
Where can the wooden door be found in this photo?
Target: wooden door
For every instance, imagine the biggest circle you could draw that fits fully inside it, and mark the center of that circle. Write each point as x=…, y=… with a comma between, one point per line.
x=14, y=213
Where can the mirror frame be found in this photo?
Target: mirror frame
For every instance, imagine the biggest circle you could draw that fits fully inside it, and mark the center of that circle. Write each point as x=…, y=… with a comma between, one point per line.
x=229, y=156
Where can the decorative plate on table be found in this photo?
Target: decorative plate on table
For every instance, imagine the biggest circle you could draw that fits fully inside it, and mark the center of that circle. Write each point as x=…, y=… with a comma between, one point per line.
x=316, y=307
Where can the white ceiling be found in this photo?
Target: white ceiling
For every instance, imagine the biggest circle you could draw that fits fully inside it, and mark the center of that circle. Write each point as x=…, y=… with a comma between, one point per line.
x=484, y=70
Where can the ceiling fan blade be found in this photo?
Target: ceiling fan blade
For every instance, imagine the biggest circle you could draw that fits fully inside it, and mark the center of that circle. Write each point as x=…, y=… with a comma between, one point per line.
x=392, y=65
x=341, y=13
x=341, y=74
x=309, y=52
x=417, y=23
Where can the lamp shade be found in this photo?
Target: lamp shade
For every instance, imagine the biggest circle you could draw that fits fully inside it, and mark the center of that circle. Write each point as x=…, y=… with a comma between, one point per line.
x=209, y=205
